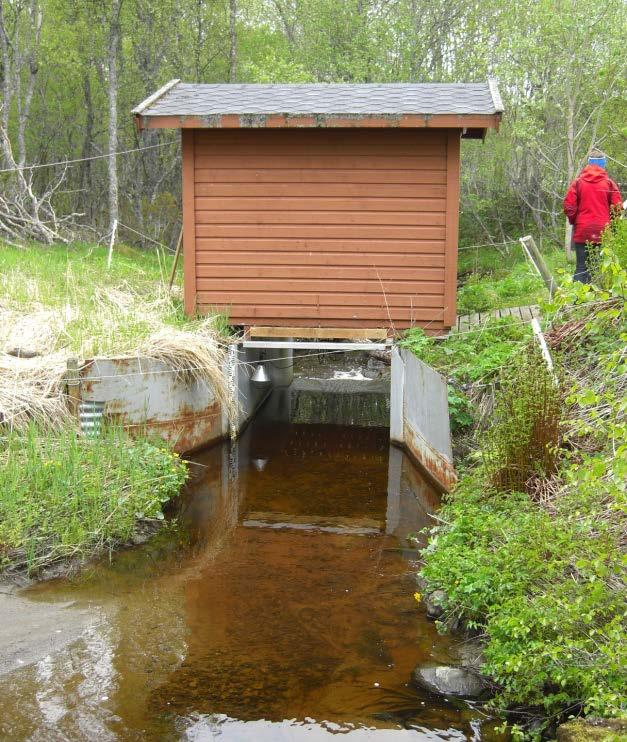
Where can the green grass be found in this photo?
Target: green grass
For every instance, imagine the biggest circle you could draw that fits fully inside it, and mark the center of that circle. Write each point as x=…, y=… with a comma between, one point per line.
x=497, y=279
x=64, y=496
x=77, y=306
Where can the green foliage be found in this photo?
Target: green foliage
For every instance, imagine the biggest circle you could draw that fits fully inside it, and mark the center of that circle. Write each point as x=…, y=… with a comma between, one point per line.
x=460, y=409
x=64, y=496
x=541, y=573
x=522, y=440
x=471, y=356
x=501, y=279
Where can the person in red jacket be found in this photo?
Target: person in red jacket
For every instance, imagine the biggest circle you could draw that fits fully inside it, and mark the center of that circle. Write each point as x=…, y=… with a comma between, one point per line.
x=592, y=199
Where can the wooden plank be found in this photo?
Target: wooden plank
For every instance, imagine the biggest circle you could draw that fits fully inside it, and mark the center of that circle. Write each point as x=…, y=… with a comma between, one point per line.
x=243, y=313
x=308, y=161
x=320, y=231
x=525, y=313
x=319, y=333
x=324, y=286
x=319, y=190
x=291, y=258
x=323, y=274
x=330, y=298
x=535, y=256
x=310, y=217
x=298, y=121
x=210, y=174
x=432, y=327
x=452, y=229
x=189, y=219
x=371, y=201
x=399, y=143
x=260, y=244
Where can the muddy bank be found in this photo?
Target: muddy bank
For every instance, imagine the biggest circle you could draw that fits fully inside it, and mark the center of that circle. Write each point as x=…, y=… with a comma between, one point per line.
x=30, y=631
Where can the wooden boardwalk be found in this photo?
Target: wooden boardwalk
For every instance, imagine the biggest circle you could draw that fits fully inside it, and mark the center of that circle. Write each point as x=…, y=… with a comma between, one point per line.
x=472, y=321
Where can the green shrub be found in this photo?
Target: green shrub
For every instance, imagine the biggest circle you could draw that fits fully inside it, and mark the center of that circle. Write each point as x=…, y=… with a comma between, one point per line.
x=62, y=495
x=460, y=409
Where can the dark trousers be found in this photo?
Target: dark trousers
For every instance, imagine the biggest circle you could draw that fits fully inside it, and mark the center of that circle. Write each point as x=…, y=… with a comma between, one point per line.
x=583, y=252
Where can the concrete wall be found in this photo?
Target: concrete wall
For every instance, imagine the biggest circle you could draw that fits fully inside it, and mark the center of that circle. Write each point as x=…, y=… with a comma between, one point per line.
x=419, y=416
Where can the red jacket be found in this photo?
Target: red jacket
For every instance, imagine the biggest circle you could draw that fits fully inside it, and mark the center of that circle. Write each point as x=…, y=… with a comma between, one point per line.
x=589, y=201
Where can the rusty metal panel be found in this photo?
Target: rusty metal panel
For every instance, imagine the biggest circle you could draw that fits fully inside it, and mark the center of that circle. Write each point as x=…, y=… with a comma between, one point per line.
x=419, y=418
x=146, y=396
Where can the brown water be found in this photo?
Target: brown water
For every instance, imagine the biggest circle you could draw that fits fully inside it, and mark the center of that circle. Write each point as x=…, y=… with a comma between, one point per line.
x=280, y=608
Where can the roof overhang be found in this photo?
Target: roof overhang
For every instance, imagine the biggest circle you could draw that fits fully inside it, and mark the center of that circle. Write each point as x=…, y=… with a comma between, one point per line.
x=471, y=125
x=474, y=125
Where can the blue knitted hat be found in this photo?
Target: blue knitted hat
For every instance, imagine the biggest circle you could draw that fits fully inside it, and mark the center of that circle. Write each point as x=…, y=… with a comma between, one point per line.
x=596, y=157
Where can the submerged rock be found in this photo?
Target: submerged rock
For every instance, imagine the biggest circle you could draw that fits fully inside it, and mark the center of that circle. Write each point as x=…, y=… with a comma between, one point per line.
x=456, y=682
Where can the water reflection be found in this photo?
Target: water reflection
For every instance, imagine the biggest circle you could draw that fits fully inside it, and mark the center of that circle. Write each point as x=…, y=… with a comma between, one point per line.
x=280, y=608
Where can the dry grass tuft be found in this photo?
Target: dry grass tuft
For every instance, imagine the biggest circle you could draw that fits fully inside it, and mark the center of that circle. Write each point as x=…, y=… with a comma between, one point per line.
x=111, y=321
x=32, y=390
x=195, y=356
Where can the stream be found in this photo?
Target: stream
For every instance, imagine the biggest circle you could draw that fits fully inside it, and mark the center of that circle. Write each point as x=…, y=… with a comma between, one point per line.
x=278, y=606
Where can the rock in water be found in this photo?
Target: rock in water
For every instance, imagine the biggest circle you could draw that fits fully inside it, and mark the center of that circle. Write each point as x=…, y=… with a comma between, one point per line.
x=450, y=681
x=434, y=603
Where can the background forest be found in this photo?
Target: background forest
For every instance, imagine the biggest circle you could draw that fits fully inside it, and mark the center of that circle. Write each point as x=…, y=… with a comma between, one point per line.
x=72, y=70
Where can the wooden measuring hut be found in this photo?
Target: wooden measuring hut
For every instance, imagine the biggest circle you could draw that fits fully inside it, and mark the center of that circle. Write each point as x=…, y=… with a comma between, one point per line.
x=322, y=206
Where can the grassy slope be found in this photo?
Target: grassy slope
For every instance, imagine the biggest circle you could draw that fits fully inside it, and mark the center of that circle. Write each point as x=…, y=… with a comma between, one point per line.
x=63, y=496
x=541, y=572
x=88, y=310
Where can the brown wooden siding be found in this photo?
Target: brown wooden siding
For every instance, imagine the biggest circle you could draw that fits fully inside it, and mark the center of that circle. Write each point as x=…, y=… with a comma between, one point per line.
x=327, y=228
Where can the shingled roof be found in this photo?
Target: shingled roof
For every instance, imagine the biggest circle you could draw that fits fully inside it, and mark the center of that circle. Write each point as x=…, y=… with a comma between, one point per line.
x=324, y=104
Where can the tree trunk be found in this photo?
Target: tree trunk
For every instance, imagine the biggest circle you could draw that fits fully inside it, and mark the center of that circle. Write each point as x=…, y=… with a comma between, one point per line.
x=36, y=20
x=233, y=38
x=114, y=45
x=7, y=92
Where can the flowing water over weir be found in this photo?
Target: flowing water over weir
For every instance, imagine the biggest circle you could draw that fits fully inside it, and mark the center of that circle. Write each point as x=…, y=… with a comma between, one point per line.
x=279, y=608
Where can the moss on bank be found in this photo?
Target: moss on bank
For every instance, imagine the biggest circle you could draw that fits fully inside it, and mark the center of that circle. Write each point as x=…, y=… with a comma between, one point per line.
x=538, y=568
x=63, y=496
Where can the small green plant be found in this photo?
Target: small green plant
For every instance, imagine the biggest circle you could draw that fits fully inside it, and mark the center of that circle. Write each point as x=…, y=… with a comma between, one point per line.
x=460, y=409
x=65, y=496
x=522, y=441
x=470, y=356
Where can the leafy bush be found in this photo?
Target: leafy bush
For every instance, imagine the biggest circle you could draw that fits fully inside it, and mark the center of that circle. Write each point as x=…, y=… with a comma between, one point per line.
x=64, y=496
